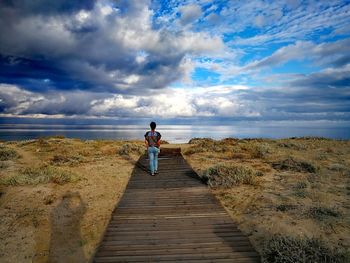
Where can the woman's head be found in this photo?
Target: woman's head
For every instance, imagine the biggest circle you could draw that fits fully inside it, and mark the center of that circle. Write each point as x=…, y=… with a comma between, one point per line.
x=153, y=125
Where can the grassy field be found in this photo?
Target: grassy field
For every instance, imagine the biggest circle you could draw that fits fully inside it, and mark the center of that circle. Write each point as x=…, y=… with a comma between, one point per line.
x=290, y=196
x=57, y=195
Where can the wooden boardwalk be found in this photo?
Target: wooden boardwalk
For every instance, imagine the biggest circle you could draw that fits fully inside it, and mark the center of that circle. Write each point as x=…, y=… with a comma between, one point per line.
x=171, y=217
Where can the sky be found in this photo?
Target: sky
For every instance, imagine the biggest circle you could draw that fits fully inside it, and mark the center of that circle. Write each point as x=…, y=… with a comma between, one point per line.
x=223, y=60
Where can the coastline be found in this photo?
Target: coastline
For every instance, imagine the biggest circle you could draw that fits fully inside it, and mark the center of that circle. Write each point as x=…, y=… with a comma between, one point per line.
x=297, y=187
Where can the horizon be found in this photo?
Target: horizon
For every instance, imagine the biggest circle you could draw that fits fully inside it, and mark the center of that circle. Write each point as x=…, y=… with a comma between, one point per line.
x=179, y=62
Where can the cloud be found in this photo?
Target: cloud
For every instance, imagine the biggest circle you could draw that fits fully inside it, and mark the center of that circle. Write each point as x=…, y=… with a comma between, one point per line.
x=190, y=13
x=280, y=21
x=95, y=47
x=125, y=58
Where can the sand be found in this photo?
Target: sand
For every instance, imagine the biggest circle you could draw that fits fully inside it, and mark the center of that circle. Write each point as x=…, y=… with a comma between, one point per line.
x=65, y=221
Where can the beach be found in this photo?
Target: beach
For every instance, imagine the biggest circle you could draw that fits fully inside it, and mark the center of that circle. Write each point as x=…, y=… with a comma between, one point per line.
x=57, y=194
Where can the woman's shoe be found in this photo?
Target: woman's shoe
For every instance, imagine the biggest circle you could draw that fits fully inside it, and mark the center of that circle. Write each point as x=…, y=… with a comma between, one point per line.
x=156, y=172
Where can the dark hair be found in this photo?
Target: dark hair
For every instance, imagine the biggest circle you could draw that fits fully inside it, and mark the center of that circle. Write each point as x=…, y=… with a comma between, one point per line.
x=153, y=125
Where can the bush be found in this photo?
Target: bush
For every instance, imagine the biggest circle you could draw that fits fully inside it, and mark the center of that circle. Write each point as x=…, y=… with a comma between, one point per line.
x=286, y=207
x=131, y=148
x=200, y=140
x=3, y=165
x=321, y=213
x=40, y=175
x=292, y=164
x=70, y=160
x=7, y=154
x=225, y=176
x=206, y=145
x=340, y=168
x=284, y=249
x=261, y=151
x=292, y=145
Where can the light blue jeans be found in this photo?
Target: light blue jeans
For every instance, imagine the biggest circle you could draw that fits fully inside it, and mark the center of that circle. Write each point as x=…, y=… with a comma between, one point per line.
x=153, y=158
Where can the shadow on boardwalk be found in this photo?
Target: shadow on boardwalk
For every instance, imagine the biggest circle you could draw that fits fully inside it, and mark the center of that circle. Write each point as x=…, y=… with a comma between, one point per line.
x=171, y=217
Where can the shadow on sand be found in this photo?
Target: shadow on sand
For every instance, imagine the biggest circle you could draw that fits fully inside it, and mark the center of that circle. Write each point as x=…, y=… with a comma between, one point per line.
x=66, y=243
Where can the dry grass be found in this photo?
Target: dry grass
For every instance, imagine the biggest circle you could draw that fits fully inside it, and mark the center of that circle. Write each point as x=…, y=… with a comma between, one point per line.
x=131, y=148
x=305, y=189
x=285, y=249
x=225, y=176
x=40, y=175
x=206, y=145
x=322, y=213
x=293, y=164
x=67, y=160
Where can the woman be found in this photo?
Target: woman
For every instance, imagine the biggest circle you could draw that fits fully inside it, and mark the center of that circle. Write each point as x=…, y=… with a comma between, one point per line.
x=152, y=141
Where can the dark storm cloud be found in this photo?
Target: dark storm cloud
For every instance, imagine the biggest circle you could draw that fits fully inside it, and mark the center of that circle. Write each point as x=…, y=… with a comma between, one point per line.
x=89, y=46
x=44, y=7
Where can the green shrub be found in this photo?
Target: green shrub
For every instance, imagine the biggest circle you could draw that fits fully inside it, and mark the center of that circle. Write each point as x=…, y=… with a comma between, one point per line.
x=40, y=175
x=285, y=249
x=225, y=176
x=7, y=154
x=293, y=164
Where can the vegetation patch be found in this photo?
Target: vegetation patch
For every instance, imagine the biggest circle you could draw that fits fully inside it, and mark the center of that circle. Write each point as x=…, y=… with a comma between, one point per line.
x=286, y=207
x=69, y=160
x=292, y=164
x=206, y=145
x=200, y=140
x=340, y=168
x=321, y=213
x=40, y=175
x=7, y=154
x=261, y=150
x=285, y=249
x=225, y=176
x=3, y=165
x=131, y=148
x=292, y=145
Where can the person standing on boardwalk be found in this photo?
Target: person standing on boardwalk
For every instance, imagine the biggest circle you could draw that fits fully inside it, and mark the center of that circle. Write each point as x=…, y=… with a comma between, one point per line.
x=152, y=140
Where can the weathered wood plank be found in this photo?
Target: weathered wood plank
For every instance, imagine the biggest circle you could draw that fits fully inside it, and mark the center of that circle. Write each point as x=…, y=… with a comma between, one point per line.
x=171, y=217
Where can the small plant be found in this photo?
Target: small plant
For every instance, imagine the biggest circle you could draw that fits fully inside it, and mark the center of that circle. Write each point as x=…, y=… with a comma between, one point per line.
x=40, y=175
x=63, y=159
x=292, y=145
x=200, y=140
x=82, y=242
x=321, y=213
x=301, y=185
x=285, y=207
x=3, y=165
x=131, y=148
x=225, y=176
x=261, y=151
x=340, y=168
x=300, y=192
x=280, y=249
x=7, y=154
x=293, y=164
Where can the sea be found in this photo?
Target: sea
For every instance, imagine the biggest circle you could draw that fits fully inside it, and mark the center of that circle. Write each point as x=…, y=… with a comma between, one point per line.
x=173, y=133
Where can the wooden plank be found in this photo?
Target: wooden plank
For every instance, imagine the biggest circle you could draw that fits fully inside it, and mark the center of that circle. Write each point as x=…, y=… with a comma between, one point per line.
x=171, y=217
